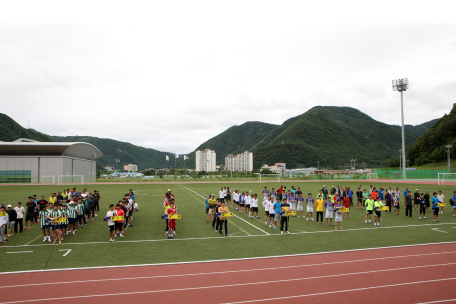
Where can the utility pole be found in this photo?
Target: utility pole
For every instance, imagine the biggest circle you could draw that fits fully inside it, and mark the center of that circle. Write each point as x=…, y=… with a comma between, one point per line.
x=448, y=149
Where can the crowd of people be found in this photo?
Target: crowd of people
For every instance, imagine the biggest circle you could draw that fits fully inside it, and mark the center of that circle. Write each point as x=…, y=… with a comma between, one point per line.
x=62, y=214
x=334, y=203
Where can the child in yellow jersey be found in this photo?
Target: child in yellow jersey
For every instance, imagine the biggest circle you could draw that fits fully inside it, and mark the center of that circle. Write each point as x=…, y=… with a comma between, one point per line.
x=369, y=208
x=223, y=219
x=319, y=206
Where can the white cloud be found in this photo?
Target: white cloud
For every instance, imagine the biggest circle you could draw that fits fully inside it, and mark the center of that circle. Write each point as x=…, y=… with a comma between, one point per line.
x=170, y=76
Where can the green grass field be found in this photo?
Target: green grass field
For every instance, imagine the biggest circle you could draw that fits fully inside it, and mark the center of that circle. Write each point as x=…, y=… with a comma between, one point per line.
x=146, y=243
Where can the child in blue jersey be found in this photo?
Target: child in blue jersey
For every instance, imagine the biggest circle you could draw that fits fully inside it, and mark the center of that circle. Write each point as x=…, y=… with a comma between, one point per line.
x=453, y=199
x=435, y=208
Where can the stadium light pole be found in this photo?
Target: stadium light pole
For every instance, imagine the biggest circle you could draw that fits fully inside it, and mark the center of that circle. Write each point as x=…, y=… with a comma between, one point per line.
x=400, y=159
x=448, y=148
x=318, y=163
x=354, y=163
x=92, y=156
x=364, y=163
x=401, y=85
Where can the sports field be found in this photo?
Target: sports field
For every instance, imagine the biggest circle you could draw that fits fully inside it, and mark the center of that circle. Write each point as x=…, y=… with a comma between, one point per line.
x=146, y=243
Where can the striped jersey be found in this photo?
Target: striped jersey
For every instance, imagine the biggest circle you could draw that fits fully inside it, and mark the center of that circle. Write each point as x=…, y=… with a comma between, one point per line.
x=65, y=214
x=55, y=214
x=43, y=215
x=80, y=209
x=71, y=212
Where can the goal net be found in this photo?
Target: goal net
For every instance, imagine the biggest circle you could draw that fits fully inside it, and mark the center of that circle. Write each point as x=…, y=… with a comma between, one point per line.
x=269, y=177
x=371, y=175
x=71, y=179
x=50, y=179
x=446, y=177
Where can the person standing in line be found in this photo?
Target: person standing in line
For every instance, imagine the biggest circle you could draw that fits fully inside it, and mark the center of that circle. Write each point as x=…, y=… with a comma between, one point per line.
x=12, y=215
x=279, y=193
x=338, y=218
x=53, y=199
x=266, y=209
x=350, y=196
x=378, y=213
x=277, y=211
x=223, y=219
x=217, y=218
x=309, y=203
x=300, y=205
x=428, y=200
x=254, y=206
x=388, y=198
x=406, y=191
x=3, y=224
x=292, y=202
x=236, y=200
x=441, y=198
x=298, y=192
x=416, y=200
x=395, y=202
x=319, y=206
x=371, y=189
x=247, y=203
x=369, y=209
x=45, y=225
x=329, y=212
x=207, y=208
x=242, y=202
x=325, y=192
x=30, y=214
x=221, y=193
x=435, y=208
x=72, y=217
x=284, y=219
x=111, y=224
x=381, y=194
x=271, y=212
x=453, y=198
x=273, y=195
x=408, y=204
x=359, y=198
x=365, y=198
x=20, y=217
x=171, y=222
x=55, y=227
x=422, y=202
x=97, y=199
x=265, y=193
x=346, y=204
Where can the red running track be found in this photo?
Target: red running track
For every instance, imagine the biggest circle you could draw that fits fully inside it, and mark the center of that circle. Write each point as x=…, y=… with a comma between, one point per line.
x=397, y=275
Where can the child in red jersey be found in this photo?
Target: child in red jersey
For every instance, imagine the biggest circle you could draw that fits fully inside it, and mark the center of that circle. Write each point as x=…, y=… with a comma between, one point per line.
x=347, y=205
x=119, y=224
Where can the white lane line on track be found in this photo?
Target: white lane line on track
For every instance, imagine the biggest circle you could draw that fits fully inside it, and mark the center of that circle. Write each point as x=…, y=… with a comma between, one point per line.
x=19, y=251
x=232, y=271
x=256, y=283
x=341, y=291
x=228, y=260
x=439, y=301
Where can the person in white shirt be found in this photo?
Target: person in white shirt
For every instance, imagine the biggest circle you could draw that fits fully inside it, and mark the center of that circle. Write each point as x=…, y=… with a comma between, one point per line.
x=441, y=198
x=20, y=217
x=236, y=199
x=266, y=209
x=271, y=212
x=84, y=194
x=111, y=224
x=247, y=199
x=254, y=206
x=221, y=193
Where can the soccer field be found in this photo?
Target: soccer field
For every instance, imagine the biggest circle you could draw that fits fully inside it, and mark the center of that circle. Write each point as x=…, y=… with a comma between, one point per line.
x=146, y=243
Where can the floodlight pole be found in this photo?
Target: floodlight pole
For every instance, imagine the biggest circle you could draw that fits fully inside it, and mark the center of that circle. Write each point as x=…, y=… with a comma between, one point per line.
x=318, y=165
x=400, y=159
x=448, y=148
x=402, y=85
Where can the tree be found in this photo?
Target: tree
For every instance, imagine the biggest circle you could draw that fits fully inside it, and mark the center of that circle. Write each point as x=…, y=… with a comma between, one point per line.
x=266, y=171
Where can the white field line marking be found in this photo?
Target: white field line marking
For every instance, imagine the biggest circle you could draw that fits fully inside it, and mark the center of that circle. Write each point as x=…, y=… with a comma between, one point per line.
x=254, y=283
x=439, y=301
x=238, y=236
x=33, y=239
x=67, y=251
x=341, y=291
x=228, y=260
x=438, y=230
x=235, y=271
x=20, y=252
x=233, y=213
x=231, y=222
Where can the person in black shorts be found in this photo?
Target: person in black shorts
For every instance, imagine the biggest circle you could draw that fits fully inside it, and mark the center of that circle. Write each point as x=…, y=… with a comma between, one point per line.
x=423, y=207
x=228, y=197
x=30, y=213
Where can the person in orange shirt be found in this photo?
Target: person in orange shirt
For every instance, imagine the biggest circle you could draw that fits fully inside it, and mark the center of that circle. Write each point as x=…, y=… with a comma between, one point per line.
x=223, y=219
x=374, y=194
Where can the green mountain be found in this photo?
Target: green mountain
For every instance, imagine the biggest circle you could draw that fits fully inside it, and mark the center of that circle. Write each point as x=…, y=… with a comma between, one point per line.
x=430, y=148
x=127, y=153
x=420, y=129
x=331, y=135
x=11, y=130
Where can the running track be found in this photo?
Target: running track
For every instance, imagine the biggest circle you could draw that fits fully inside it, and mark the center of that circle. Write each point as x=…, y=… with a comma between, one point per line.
x=417, y=274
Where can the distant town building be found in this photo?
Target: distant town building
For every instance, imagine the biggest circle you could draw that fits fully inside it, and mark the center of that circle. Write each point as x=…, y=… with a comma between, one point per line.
x=205, y=161
x=242, y=162
x=130, y=168
x=301, y=171
x=278, y=168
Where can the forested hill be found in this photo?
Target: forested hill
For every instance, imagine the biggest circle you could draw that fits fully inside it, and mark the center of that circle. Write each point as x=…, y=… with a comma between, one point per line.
x=430, y=148
x=10, y=130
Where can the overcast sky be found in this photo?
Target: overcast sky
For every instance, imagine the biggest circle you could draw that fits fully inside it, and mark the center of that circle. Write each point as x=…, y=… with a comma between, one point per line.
x=169, y=75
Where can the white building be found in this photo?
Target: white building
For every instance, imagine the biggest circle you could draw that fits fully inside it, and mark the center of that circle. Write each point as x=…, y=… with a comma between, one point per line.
x=239, y=163
x=205, y=160
x=130, y=168
x=278, y=168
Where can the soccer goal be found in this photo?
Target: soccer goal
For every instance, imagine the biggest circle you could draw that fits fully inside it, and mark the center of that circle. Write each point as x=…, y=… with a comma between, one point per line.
x=445, y=177
x=266, y=175
x=71, y=179
x=371, y=175
x=50, y=179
